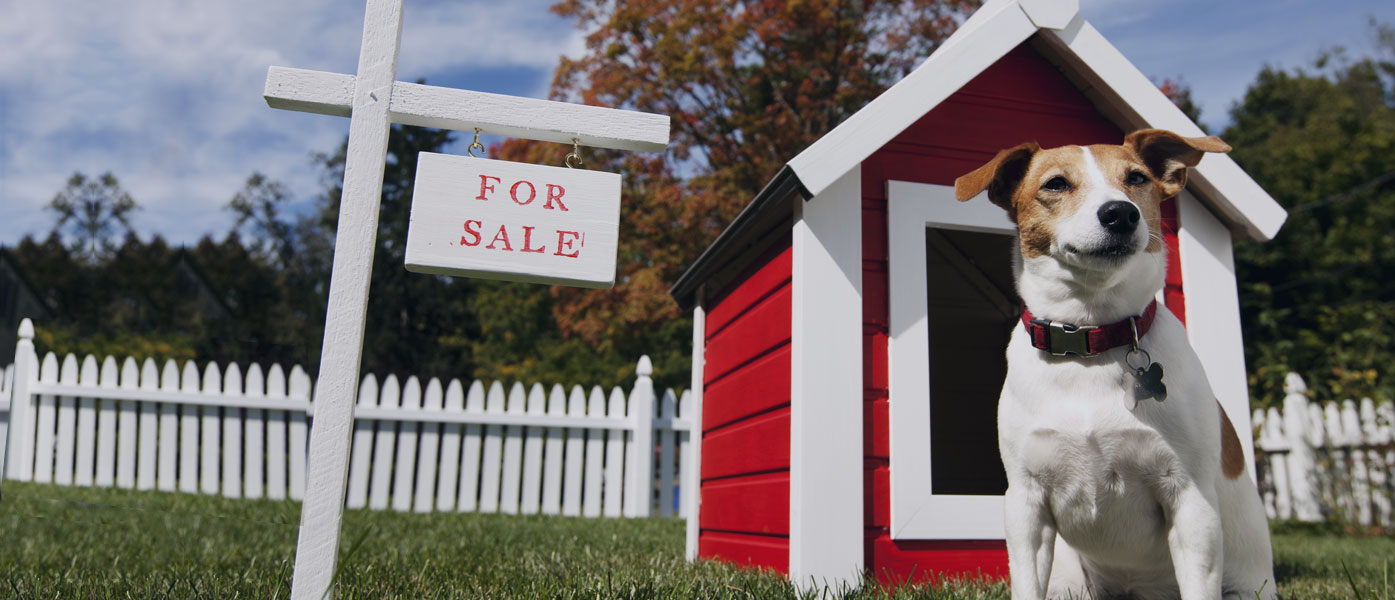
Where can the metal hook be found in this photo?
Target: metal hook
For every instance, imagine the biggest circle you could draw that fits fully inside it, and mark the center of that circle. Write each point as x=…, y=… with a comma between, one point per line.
x=476, y=144
x=575, y=154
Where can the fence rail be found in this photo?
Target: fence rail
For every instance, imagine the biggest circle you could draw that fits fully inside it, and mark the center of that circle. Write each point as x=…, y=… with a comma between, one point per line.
x=1326, y=461
x=437, y=446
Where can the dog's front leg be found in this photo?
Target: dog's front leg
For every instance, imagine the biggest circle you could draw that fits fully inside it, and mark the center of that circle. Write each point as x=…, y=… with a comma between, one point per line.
x=1031, y=540
x=1194, y=541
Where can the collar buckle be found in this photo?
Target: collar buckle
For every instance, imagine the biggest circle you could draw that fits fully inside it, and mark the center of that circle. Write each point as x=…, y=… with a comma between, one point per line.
x=1065, y=338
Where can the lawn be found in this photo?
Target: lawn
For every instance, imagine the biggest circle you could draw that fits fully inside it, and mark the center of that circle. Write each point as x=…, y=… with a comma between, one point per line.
x=91, y=543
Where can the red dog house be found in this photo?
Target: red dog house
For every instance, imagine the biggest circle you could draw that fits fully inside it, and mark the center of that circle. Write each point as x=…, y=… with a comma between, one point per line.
x=850, y=324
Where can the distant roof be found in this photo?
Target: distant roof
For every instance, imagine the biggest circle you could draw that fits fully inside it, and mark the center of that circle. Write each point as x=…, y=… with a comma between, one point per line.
x=1118, y=89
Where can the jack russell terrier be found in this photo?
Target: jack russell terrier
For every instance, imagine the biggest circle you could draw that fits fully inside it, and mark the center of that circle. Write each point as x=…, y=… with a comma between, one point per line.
x=1143, y=478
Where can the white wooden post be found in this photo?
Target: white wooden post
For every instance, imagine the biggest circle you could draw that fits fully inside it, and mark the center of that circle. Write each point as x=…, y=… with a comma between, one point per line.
x=19, y=441
x=1301, y=458
x=318, y=543
x=826, y=532
x=374, y=100
x=691, y=453
x=640, y=488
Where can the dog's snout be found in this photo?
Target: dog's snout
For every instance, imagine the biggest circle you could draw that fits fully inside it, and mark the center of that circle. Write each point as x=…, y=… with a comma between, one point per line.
x=1118, y=216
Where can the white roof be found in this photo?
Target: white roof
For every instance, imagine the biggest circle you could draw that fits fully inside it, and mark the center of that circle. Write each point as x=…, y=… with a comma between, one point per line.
x=1123, y=93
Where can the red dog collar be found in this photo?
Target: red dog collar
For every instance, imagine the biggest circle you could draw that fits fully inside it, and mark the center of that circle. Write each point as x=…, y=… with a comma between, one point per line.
x=1061, y=339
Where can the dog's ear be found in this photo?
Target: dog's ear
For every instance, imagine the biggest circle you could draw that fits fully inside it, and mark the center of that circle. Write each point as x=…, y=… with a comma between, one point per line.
x=999, y=176
x=1168, y=155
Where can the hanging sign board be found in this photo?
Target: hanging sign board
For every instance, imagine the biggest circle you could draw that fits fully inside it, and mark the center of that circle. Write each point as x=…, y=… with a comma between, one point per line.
x=494, y=219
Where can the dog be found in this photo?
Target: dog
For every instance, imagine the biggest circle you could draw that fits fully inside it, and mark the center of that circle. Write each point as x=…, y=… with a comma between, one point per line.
x=1123, y=482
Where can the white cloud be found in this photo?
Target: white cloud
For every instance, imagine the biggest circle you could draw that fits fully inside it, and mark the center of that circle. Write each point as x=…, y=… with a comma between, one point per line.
x=167, y=94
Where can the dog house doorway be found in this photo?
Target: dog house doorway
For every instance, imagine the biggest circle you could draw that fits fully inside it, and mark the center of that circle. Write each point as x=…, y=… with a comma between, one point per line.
x=971, y=308
x=952, y=306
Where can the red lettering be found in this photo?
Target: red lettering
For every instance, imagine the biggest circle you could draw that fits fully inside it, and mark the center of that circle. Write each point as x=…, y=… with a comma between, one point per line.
x=485, y=187
x=554, y=192
x=532, y=193
x=472, y=232
x=502, y=235
x=565, y=244
x=528, y=240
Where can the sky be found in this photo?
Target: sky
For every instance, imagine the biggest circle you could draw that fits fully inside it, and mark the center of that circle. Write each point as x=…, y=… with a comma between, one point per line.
x=167, y=94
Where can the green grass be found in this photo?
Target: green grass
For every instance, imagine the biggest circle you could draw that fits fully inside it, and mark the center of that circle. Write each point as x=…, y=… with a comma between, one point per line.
x=59, y=542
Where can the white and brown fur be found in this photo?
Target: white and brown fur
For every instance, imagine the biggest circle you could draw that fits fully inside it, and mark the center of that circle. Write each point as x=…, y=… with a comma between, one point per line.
x=1111, y=496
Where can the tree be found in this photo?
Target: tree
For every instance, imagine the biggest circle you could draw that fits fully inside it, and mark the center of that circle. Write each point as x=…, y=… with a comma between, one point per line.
x=747, y=85
x=94, y=212
x=1319, y=299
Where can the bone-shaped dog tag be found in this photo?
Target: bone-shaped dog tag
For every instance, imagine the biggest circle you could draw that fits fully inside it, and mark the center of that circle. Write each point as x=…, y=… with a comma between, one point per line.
x=1148, y=383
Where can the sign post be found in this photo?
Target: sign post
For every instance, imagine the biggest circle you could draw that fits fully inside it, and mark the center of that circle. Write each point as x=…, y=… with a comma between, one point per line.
x=373, y=100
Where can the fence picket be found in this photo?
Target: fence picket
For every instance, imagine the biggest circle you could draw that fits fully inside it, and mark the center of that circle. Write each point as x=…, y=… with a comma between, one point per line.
x=85, y=446
x=513, y=453
x=232, y=434
x=667, y=410
x=429, y=444
x=361, y=454
x=7, y=378
x=254, y=437
x=167, y=476
x=105, y=456
x=407, y=434
x=130, y=430
x=685, y=411
x=449, y=472
x=210, y=436
x=613, y=482
x=383, y=444
x=1283, y=503
x=552, y=454
x=47, y=421
x=576, y=454
x=296, y=431
x=493, y=449
x=531, y=499
x=189, y=431
x=468, y=498
x=595, y=453
x=66, y=439
x=276, y=424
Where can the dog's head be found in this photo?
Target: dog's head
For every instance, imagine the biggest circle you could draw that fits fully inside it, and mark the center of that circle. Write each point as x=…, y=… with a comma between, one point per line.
x=1093, y=209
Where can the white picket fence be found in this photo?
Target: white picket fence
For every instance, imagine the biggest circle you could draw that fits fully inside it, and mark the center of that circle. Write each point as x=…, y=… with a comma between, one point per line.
x=1334, y=460
x=437, y=447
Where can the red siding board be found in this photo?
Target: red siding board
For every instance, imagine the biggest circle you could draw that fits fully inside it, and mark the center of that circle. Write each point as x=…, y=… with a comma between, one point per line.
x=748, y=550
x=756, y=388
x=762, y=281
x=763, y=328
x=754, y=504
x=758, y=444
x=898, y=562
x=1173, y=295
x=1020, y=98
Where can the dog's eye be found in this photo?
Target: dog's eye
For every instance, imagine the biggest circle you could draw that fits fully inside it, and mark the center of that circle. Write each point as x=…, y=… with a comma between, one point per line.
x=1056, y=184
x=1136, y=178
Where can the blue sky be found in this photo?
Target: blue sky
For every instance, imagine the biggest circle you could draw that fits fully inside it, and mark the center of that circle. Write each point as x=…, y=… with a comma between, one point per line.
x=166, y=94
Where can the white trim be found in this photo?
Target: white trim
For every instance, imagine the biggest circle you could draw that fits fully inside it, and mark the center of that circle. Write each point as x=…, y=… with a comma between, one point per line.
x=1224, y=185
x=917, y=513
x=826, y=542
x=1213, y=311
x=692, y=463
x=987, y=35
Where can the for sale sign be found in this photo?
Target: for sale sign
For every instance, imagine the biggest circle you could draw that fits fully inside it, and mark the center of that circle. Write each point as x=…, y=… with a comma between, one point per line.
x=493, y=219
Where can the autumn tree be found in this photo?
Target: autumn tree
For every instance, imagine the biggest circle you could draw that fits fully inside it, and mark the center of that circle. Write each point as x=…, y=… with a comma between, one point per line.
x=747, y=85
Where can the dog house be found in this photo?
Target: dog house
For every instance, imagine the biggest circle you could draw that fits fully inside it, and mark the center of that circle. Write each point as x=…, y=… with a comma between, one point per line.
x=850, y=323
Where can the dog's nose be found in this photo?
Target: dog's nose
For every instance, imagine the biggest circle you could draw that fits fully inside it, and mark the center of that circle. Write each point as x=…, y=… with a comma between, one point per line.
x=1119, y=216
